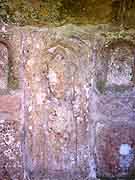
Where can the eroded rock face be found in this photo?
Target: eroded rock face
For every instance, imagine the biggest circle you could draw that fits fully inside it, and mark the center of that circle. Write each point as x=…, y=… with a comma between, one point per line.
x=57, y=105
x=3, y=66
x=114, y=116
x=10, y=145
x=75, y=95
x=11, y=159
x=115, y=151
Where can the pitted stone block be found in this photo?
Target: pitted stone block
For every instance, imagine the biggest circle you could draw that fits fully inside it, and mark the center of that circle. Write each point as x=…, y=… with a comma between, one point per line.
x=10, y=140
x=115, y=150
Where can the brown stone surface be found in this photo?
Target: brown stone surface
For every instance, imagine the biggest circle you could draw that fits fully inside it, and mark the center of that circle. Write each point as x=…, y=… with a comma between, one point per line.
x=10, y=143
x=109, y=160
x=112, y=110
x=57, y=104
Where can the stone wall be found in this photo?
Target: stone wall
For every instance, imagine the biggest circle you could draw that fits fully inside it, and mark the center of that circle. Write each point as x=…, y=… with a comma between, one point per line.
x=66, y=103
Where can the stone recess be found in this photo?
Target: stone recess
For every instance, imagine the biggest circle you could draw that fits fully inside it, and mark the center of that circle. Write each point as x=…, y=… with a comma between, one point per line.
x=3, y=66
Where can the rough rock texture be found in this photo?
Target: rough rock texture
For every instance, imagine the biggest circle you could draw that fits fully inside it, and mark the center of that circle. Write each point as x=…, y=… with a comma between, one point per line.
x=114, y=110
x=68, y=88
x=56, y=99
x=109, y=158
x=11, y=160
x=59, y=12
x=10, y=145
x=3, y=67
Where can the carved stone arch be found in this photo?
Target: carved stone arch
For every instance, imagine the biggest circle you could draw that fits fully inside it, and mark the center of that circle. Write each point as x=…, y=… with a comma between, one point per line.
x=117, y=64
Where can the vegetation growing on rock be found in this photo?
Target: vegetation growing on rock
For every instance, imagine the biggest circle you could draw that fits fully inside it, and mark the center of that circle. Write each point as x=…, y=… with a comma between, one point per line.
x=58, y=12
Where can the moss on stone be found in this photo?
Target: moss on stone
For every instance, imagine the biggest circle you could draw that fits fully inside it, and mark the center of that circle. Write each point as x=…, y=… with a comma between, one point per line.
x=101, y=86
x=13, y=81
x=119, y=36
x=58, y=12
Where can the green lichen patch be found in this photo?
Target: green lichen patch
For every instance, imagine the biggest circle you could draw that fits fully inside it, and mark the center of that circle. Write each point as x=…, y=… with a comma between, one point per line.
x=13, y=81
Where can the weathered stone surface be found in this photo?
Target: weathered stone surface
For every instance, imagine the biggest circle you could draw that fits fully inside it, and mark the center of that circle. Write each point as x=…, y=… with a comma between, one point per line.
x=9, y=104
x=115, y=69
x=10, y=143
x=113, y=111
x=66, y=86
x=56, y=104
x=115, y=150
x=11, y=159
x=3, y=66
